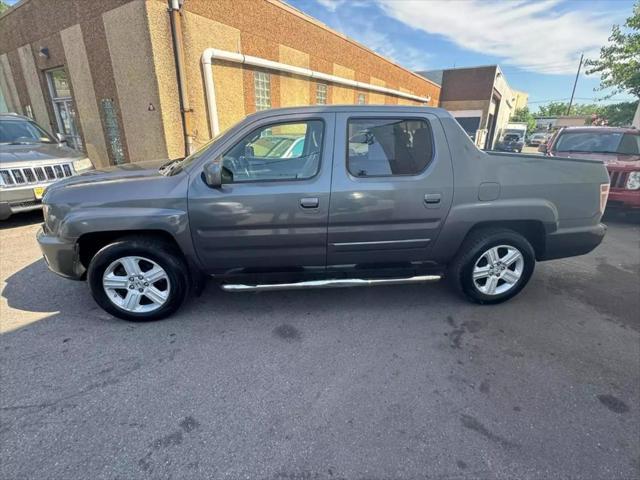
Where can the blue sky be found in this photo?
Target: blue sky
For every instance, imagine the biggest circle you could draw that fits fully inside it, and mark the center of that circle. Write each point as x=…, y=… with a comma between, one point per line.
x=536, y=43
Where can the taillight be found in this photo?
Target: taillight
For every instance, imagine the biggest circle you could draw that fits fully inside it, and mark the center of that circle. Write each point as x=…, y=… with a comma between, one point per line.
x=604, y=195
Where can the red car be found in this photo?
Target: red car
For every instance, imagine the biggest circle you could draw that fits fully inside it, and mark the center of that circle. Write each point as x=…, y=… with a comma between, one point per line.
x=618, y=148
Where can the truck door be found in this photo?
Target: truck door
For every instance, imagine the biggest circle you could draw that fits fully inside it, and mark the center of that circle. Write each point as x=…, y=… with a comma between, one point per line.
x=392, y=188
x=271, y=212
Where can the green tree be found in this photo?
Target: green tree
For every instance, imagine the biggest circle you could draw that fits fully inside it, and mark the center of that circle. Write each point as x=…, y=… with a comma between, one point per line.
x=524, y=115
x=618, y=114
x=556, y=109
x=3, y=6
x=619, y=62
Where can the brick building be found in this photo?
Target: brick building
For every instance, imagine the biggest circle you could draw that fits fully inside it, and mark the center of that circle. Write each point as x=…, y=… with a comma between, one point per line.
x=480, y=98
x=132, y=80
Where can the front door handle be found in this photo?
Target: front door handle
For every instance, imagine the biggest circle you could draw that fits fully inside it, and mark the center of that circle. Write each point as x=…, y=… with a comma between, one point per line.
x=309, y=202
x=432, y=198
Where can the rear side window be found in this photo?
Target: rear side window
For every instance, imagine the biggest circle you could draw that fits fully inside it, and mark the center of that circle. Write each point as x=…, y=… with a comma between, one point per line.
x=388, y=146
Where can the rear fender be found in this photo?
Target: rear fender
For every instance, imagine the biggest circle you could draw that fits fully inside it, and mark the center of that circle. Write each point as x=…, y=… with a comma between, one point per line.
x=462, y=218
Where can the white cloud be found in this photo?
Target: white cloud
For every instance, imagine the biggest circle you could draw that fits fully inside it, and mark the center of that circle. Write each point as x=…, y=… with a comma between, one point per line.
x=409, y=57
x=331, y=5
x=537, y=37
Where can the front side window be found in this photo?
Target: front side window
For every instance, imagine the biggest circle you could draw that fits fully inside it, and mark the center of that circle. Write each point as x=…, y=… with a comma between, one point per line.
x=262, y=90
x=285, y=151
x=389, y=146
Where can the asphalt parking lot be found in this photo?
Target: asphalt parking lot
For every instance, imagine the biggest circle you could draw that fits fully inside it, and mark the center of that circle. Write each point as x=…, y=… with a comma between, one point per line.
x=402, y=382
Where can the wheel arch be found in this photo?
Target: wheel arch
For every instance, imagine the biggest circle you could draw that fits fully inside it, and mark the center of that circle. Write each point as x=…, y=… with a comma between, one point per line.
x=532, y=218
x=90, y=243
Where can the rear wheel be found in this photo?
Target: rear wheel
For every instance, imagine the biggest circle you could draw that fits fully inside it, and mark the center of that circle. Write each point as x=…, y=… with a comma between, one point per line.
x=138, y=279
x=493, y=265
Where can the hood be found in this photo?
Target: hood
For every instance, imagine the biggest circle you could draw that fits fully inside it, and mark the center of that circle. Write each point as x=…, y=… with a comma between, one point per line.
x=128, y=171
x=18, y=155
x=615, y=160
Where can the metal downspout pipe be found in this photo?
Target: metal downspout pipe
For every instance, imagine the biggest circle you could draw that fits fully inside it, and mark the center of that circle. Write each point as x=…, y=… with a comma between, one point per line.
x=178, y=52
x=212, y=53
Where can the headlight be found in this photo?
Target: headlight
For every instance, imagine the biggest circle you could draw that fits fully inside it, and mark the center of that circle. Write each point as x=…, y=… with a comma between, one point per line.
x=82, y=165
x=633, y=181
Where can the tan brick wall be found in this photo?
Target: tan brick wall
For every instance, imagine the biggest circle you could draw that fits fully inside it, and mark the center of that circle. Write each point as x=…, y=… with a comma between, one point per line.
x=294, y=91
x=84, y=95
x=32, y=83
x=136, y=83
x=165, y=74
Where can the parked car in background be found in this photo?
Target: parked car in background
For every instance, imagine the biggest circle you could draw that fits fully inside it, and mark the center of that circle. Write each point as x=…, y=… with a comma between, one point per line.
x=374, y=195
x=511, y=142
x=618, y=148
x=31, y=159
x=537, y=139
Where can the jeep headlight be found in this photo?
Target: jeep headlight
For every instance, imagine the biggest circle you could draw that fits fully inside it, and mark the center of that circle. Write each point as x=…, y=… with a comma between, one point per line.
x=82, y=165
x=633, y=181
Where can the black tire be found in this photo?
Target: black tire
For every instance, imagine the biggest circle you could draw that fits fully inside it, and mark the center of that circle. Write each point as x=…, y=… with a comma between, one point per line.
x=460, y=271
x=165, y=255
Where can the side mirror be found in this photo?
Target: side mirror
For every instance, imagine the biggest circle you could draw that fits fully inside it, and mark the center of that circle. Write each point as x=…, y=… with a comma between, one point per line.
x=61, y=138
x=212, y=172
x=542, y=148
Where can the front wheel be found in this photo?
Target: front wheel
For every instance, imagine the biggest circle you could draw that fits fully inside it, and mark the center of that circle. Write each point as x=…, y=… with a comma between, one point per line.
x=493, y=265
x=138, y=279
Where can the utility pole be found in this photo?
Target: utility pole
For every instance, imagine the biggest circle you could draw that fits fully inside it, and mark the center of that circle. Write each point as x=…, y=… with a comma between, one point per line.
x=574, y=84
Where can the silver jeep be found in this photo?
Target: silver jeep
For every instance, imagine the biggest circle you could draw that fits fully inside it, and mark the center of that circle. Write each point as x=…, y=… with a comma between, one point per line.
x=30, y=160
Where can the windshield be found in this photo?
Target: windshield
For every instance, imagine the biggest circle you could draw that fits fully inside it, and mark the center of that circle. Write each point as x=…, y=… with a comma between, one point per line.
x=174, y=166
x=16, y=131
x=598, y=142
x=512, y=137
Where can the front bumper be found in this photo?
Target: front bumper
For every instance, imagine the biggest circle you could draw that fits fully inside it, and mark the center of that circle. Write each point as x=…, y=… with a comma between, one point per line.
x=16, y=200
x=61, y=256
x=569, y=242
x=622, y=198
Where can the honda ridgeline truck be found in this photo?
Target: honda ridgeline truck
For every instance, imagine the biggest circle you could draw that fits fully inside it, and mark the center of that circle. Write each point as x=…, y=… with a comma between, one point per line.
x=318, y=197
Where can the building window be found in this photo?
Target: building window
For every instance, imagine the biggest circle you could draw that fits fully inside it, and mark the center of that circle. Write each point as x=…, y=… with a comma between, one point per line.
x=113, y=130
x=389, y=146
x=321, y=93
x=64, y=107
x=362, y=99
x=262, y=90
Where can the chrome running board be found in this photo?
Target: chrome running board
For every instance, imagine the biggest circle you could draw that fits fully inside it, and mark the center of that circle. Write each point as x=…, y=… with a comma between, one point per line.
x=336, y=283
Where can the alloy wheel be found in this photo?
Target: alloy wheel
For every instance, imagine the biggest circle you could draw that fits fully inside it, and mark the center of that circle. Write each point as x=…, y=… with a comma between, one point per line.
x=136, y=284
x=498, y=270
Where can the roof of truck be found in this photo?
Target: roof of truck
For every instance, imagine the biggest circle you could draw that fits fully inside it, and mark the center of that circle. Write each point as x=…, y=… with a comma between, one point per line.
x=351, y=108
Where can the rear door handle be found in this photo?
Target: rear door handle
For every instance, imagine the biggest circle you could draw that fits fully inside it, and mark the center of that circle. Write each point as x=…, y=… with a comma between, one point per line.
x=432, y=198
x=309, y=202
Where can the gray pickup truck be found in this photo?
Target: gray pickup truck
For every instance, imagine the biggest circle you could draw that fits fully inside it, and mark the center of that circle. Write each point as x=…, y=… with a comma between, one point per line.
x=319, y=197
